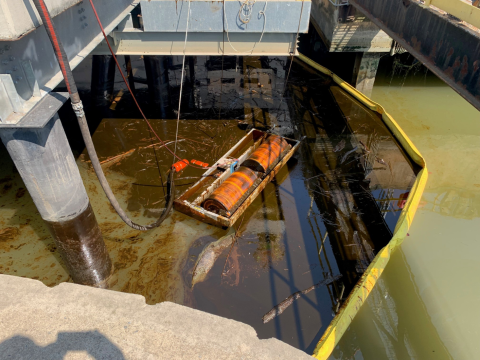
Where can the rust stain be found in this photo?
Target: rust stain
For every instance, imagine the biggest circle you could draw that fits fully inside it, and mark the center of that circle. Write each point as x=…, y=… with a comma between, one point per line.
x=6, y=179
x=6, y=188
x=449, y=56
x=417, y=45
x=126, y=257
x=464, y=70
x=20, y=192
x=433, y=53
x=8, y=235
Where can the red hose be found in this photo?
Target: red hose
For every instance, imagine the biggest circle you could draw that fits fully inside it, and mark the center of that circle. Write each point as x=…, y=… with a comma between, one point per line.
x=130, y=90
x=82, y=122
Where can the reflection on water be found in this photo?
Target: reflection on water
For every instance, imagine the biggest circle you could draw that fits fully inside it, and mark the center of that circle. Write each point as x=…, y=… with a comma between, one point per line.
x=424, y=306
x=326, y=213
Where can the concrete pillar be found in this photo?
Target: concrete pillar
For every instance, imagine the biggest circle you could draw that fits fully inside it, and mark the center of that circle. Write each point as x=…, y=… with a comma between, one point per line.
x=157, y=79
x=365, y=70
x=45, y=161
x=103, y=80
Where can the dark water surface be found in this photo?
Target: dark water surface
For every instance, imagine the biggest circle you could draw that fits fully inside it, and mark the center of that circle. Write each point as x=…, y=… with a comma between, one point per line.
x=327, y=212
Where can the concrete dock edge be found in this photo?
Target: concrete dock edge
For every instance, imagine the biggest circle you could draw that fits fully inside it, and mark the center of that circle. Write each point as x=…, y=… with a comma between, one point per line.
x=78, y=322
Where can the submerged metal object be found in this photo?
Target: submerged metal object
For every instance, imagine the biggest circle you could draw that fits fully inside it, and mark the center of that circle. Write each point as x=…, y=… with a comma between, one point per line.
x=231, y=191
x=266, y=154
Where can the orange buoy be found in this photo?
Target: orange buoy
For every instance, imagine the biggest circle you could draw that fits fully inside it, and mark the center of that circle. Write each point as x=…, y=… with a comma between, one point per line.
x=231, y=190
x=180, y=165
x=266, y=154
x=199, y=163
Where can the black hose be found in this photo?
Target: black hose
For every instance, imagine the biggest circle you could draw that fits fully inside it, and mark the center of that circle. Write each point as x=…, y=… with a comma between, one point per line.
x=82, y=122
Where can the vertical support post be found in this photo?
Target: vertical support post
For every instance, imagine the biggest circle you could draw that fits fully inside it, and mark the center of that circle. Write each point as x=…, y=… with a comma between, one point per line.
x=46, y=164
x=157, y=79
x=131, y=81
x=103, y=80
x=191, y=66
x=366, y=72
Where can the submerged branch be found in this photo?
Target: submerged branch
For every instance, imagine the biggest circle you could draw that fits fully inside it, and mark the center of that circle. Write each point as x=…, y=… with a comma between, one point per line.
x=209, y=255
x=280, y=308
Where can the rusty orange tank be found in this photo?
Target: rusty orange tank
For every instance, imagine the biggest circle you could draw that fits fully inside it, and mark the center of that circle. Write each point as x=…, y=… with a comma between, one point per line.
x=231, y=190
x=266, y=154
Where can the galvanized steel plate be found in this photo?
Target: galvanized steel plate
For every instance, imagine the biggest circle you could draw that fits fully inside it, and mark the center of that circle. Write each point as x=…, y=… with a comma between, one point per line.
x=207, y=16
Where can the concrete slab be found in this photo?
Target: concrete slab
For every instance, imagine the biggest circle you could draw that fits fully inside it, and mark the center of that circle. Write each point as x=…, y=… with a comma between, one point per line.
x=71, y=321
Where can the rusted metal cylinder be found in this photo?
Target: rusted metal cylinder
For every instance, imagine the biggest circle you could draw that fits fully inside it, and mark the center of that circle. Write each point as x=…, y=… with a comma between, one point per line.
x=231, y=191
x=266, y=154
x=80, y=243
x=45, y=161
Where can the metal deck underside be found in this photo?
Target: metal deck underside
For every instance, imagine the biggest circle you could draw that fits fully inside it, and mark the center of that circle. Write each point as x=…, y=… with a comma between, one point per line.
x=28, y=67
x=271, y=28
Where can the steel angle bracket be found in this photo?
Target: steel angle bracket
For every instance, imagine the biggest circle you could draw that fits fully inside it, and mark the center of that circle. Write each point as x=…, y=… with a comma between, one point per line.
x=41, y=113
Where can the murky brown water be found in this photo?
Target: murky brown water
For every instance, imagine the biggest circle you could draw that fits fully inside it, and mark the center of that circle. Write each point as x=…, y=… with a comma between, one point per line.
x=327, y=213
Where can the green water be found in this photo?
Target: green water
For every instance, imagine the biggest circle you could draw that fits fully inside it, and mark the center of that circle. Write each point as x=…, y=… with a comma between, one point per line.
x=425, y=304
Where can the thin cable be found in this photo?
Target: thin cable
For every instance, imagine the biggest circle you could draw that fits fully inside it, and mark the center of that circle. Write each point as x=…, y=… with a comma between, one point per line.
x=294, y=48
x=181, y=81
x=263, y=31
x=129, y=89
x=82, y=122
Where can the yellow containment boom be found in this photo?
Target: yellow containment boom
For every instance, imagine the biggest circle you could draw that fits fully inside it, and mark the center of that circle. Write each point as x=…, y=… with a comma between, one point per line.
x=362, y=289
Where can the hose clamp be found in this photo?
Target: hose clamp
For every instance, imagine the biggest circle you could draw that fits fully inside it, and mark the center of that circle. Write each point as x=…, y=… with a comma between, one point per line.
x=78, y=109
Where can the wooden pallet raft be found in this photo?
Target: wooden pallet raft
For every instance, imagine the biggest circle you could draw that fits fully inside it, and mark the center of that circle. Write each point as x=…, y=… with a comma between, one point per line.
x=258, y=171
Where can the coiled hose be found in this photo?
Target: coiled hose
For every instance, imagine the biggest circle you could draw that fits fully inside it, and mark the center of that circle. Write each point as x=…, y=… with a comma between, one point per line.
x=82, y=121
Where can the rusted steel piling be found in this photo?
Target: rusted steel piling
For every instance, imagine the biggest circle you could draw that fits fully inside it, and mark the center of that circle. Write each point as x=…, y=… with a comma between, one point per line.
x=45, y=161
x=103, y=80
x=156, y=68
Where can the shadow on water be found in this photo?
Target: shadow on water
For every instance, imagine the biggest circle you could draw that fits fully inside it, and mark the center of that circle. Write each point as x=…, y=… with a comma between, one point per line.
x=326, y=213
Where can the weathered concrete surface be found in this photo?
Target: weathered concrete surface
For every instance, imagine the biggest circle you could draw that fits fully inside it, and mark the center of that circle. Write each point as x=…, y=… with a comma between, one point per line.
x=20, y=17
x=343, y=29
x=446, y=47
x=366, y=66
x=77, y=322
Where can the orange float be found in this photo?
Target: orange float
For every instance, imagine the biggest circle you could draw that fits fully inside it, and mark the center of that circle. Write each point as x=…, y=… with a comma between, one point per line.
x=180, y=165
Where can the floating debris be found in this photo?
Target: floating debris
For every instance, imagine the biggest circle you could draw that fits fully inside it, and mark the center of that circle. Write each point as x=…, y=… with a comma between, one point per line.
x=347, y=154
x=339, y=146
x=380, y=161
x=280, y=308
x=209, y=255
